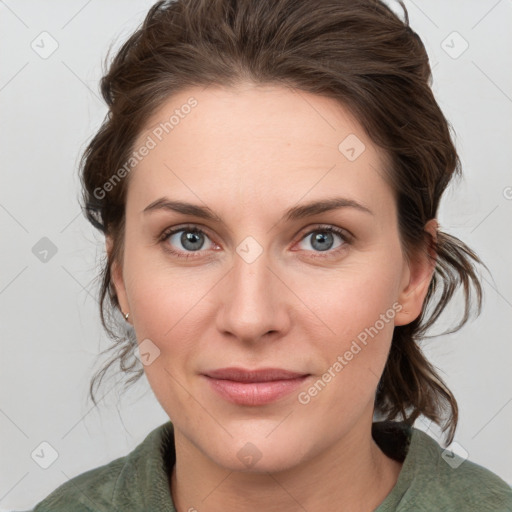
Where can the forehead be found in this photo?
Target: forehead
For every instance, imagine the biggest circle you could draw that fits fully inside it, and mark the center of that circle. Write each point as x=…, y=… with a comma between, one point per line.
x=249, y=142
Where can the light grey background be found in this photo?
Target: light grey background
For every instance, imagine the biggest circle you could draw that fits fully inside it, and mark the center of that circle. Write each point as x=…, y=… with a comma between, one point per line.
x=50, y=328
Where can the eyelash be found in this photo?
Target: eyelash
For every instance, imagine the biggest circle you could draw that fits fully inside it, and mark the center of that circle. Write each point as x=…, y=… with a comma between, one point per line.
x=346, y=238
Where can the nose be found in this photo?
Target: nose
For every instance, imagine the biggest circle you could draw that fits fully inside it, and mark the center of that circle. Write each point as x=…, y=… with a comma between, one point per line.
x=253, y=301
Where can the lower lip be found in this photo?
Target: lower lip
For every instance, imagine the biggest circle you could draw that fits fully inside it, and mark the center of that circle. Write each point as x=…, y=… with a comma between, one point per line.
x=255, y=393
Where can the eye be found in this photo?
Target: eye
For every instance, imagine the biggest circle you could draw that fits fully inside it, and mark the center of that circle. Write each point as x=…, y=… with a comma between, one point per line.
x=188, y=239
x=184, y=241
x=323, y=239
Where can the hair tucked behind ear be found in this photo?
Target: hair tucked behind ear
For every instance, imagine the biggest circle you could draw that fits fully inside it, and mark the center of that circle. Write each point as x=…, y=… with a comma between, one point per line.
x=410, y=385
x=358, y=52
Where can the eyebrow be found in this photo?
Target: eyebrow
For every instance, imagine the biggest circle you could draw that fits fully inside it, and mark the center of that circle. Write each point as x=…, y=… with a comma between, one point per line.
x=295, y=213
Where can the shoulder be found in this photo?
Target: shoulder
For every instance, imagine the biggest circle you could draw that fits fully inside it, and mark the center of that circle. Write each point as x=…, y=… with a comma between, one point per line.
x=443, y=479
x=90, y=491
x=119, y=485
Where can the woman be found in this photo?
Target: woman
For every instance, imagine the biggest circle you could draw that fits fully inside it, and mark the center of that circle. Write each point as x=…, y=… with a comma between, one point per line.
x=268, y=179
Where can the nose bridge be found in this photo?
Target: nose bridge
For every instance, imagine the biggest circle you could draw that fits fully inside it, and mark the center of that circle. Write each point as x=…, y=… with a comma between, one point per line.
x=252, y=303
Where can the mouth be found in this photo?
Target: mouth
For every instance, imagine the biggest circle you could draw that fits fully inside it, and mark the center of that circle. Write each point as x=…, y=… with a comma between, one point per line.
x=254, y=387
x=261, y=375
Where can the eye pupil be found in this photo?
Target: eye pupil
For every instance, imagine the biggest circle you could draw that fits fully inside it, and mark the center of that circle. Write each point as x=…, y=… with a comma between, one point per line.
x=189, y=240
x=325, y=240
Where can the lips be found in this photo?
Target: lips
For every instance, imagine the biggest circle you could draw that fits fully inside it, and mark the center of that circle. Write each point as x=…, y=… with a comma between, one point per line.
x=254, y=387
x=261, y=375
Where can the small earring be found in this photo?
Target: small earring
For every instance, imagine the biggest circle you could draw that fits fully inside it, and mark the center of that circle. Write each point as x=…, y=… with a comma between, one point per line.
x=126, y=315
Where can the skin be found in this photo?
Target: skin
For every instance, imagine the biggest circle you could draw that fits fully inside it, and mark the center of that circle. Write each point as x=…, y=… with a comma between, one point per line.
x=250, y=153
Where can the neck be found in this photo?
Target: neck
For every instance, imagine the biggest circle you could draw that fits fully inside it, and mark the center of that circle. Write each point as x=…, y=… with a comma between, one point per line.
x=352, y=475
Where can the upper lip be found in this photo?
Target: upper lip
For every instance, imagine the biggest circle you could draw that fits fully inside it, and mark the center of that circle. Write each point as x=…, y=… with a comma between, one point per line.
x=259, y=375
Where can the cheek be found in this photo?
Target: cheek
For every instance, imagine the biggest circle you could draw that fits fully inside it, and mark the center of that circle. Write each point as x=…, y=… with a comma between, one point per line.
x=352, y=300
x=159, y=294
x=357, y=308
x=171, y=307
x=168, y=311
x=164, y=307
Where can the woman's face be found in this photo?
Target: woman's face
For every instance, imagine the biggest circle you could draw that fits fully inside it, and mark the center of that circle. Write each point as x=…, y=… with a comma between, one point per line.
x=261, y=282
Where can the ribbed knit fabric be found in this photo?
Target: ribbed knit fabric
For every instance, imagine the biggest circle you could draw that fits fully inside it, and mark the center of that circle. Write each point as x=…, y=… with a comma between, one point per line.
x=139, y=481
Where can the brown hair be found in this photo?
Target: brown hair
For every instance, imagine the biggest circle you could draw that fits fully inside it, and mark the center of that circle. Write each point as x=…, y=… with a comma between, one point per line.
x=358, y=52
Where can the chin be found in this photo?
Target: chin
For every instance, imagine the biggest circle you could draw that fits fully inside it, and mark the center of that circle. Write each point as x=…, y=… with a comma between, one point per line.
x=259, y=453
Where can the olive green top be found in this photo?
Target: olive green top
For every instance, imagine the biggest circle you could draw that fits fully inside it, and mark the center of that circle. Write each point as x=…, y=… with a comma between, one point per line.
x=431, y=478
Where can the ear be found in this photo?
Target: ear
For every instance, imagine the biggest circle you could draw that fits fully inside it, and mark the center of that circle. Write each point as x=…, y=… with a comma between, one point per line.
x=416, y=281
x=116, y=275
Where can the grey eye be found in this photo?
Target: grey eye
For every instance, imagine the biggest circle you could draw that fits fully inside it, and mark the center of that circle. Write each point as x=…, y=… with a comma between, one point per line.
x=190, y=239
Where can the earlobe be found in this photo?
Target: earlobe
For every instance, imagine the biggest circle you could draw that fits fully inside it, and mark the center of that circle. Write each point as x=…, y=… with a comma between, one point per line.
x=417, y=279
